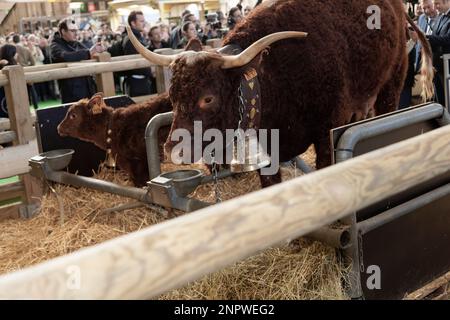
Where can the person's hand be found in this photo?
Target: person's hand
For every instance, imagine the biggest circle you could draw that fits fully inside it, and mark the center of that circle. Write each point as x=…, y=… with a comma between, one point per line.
x=4, y=62
x=206, y=29
x=96, y=49
x=414, y=36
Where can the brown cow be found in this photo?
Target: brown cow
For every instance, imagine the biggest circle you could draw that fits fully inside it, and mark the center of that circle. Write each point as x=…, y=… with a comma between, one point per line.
x=90, y=120
x=343, y=71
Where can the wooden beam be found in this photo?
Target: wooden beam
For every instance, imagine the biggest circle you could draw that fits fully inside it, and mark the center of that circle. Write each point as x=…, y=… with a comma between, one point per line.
x=7, y=136
x=169, y=255
x=3, y=80
x=144, y=98
x=163, y=79
x=10, y=211
x=33, y=192
x=11, y=190
x=21, y=122
x=14, y=160
x=127, y=57
x=46, y=67
x=105, y=80
x=18, y=105
x=429, y=288
x=6, y=125
x=86, y=69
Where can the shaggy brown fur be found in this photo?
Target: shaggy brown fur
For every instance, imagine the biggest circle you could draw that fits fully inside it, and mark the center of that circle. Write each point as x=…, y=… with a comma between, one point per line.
x=128, y=125
x=340, y=73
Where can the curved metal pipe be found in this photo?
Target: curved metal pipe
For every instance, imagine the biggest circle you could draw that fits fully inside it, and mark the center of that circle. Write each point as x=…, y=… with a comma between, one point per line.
x=337, y=238
x=152, y=143
x=402, y=209
x=302, y=165
x=344, y=151
x=445, y=119
x=353, y=135
x=100, y=185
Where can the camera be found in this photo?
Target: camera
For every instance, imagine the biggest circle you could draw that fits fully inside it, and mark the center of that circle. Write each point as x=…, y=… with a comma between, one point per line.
x=212, y=19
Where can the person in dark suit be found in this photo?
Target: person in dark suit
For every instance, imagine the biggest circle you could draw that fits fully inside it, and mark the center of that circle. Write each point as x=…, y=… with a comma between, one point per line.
x=440, y=44
x=138, y=82
x=66, y=48
x=406, y=94
x=425, y=22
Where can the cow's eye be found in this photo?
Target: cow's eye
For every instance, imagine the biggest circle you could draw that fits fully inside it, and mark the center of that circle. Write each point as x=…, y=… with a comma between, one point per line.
x=208, y=100
x=72, y=116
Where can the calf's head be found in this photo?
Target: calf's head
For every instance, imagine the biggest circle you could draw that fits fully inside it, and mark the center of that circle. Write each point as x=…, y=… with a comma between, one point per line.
x=86, y=119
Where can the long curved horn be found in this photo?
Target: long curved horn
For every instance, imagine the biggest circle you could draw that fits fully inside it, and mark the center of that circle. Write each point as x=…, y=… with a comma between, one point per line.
x=251, y=52
x=158, y=59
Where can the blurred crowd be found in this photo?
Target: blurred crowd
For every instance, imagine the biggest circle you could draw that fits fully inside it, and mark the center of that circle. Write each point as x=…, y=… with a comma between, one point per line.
x=69, y=43
x=432, y=17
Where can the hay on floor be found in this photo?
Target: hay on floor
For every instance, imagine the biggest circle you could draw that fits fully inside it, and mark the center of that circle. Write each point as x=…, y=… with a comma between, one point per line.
x=302, y=270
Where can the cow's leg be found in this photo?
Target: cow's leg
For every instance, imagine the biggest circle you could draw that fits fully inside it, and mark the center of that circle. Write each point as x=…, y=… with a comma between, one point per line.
x=323, y=151
x=269, y=180
x=139, y=172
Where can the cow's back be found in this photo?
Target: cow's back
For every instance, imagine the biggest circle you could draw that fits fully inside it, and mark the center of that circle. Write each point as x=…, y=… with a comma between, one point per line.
x=308, y=78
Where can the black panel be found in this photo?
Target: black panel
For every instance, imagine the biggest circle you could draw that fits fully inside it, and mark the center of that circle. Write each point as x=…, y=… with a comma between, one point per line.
x=415, y=248
x=410, y=251
x=87, y=156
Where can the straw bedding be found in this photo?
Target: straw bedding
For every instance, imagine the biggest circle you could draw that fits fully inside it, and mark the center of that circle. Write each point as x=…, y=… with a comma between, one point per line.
x=300, y=270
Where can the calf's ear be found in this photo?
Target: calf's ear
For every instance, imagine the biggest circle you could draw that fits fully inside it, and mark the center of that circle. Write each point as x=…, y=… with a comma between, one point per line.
x=96, y=103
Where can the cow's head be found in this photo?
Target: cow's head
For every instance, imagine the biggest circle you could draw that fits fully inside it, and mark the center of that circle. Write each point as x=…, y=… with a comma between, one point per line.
x=205, y=83
x=86, y=119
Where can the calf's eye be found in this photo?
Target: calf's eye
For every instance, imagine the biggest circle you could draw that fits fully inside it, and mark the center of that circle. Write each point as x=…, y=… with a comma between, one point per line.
x=72, y=116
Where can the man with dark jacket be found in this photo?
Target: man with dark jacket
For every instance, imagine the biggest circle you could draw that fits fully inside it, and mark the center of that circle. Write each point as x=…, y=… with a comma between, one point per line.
x=426, y=23
x=66, y=48
x=440, y=44
x=138, y=82
x=156, y=42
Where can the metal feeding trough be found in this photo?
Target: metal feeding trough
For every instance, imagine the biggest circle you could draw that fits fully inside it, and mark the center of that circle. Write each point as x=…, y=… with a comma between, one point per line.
x=56, y=159
x=168, y=189
x=184, y=181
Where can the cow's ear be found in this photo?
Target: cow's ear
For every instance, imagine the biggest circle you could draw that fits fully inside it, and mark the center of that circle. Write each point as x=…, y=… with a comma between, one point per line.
x=96, y=103
x=255, y=64
x=194, y=45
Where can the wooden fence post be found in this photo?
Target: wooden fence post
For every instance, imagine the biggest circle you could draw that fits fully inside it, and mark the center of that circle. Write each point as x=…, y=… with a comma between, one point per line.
x=20, y=121
x=105, y=81
x=163, y=74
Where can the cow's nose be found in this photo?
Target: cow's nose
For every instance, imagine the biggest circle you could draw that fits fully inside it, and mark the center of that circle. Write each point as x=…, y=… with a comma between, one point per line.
x=61, y=131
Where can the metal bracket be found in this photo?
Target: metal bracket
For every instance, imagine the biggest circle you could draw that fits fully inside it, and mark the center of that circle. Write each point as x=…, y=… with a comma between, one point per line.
x=28, y=211
x=162, y=191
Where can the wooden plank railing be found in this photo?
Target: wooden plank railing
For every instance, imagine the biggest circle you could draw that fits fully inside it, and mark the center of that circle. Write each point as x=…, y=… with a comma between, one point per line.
x=169, y=255
x=19, y=128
